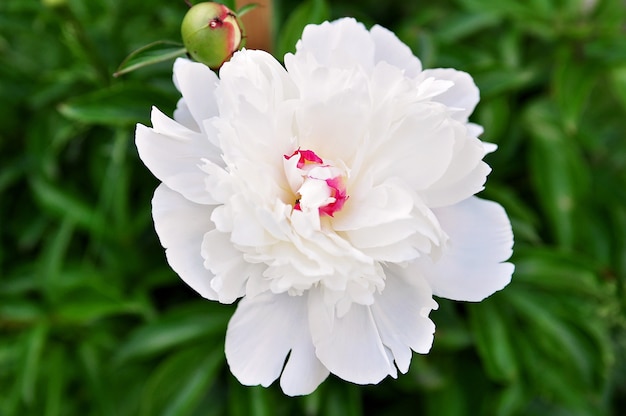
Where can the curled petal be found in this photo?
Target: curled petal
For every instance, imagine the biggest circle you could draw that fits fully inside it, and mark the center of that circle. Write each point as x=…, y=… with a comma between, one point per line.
x=481, y=240
x=345, y=45
x=391, y=50
x=463, y=95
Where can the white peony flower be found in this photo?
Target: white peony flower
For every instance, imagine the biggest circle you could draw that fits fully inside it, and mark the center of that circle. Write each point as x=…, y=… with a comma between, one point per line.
x=334, y=196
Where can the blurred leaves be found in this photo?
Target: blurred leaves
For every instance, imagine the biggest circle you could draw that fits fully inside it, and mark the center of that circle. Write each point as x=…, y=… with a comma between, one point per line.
x=92, y=320
x=117, y=105
x=550, y=329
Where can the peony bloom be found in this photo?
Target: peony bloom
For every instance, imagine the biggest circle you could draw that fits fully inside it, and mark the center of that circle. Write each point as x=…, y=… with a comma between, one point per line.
x=333, y=196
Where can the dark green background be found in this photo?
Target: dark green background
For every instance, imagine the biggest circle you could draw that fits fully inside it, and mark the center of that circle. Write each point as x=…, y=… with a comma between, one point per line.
x=93, y=321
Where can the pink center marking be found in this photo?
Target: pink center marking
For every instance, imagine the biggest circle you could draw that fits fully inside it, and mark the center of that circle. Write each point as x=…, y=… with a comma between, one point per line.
x=336, y=185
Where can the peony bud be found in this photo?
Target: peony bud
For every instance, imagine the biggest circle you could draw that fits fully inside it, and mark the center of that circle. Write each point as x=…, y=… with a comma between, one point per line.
x=211, y=33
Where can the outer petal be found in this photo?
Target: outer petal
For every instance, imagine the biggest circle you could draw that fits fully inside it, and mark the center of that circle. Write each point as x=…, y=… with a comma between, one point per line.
x=260, y=335
x=181, y=225
x=465, y=176
x=391, y=50
x=255, y=77
x=256, y=96
x=470, y=184
x=350, y=346
x=173, y=154
x=464, y=95
x=197, y=83
x=401, y=315
x=471, y=267
x=342, y=43
x=303, y=371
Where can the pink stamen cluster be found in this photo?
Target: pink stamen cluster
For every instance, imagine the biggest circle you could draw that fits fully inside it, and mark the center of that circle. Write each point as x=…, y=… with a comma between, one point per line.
x=308, y=159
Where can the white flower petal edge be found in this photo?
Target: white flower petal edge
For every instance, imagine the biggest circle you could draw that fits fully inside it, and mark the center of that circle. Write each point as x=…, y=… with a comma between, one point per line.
x=181, y=225
x=196, y=84
x=333, y=197
x=172, y=153
x=262, y=332
x=472, y=267
x=463, y=95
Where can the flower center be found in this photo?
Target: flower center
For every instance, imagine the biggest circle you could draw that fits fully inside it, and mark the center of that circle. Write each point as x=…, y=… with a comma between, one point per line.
x=316, y=185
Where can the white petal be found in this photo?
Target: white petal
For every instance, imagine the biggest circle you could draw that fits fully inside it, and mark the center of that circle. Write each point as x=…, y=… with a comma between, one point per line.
x=371, y=206
x=184, y=117
x=453, y=193
x=314, y=194
x=173, y=154
x=476, y=130
x=391, y=50
x=303, y=371
x=256, y=96
x=260, y=335
x=464, y=95
x=342, y=43
x=227, y=263
x=401, y=315
x=197, y=83
x=419, y=149
x=350, y=346
x=181, y=225
x=332, y=122
x=465, y=176
x=256, y=77
x=471, y=267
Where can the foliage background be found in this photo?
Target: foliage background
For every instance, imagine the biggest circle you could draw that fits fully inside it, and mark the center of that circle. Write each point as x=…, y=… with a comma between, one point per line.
x=92, y=320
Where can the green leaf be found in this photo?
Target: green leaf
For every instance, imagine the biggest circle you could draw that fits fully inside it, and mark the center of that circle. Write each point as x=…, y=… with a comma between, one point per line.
x=194, y=386
x=465, y=24
x=493, y=340
x=260, y=401
x=34, y=349
x=176, y=386
x=246, y=8
x=505, y=80
x=342, y=400
x=153, y=53
x=93, y=374
x=56, y=381
x=618, y=82
x=553, y=271
x=558, y=171
x=172, y=330
x=550, y=330
x=91, y=307
x=17, y=310
x=68, y=205
x=510, y=401
x=310, y=11
x=573, y=82
x=120, y=105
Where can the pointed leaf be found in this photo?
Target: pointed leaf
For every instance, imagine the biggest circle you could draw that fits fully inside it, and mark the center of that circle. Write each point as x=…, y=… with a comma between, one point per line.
x=120, y=105
x=153, y=53
x=246, y=8
x=311, y=11
x=173, y=330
